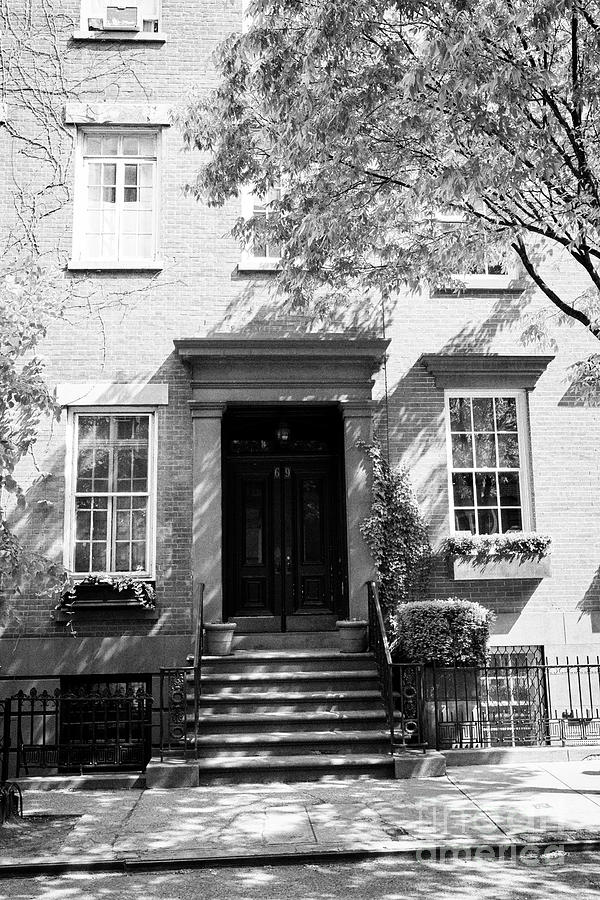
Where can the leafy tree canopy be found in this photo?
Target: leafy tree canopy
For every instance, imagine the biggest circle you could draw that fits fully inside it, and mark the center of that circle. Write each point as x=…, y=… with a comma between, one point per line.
x=29, y=299
x=378, y=115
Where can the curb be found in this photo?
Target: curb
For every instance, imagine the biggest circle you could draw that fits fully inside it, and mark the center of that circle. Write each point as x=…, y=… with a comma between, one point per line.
x=429, y=853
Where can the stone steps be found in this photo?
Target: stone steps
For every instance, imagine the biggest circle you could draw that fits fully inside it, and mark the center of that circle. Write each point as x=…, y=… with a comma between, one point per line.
x=296, y=767
x=299, y=682
x=288, y=702
x=250, y=723
x=277, y=661
x=286, y=715
x=283, y=743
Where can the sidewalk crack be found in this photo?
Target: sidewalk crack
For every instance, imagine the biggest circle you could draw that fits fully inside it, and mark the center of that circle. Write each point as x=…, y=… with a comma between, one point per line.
x=572, y=789
x=312, y=828
x=125, y=822
x=476, y=804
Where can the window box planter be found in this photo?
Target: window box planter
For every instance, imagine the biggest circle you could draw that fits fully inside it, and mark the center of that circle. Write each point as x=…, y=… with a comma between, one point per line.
x=519, y=567
x=99, y=591
x=503, y=556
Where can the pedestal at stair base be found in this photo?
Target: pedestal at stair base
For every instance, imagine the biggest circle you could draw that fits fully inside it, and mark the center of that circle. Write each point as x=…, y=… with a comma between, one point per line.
x=416, y=764
x=352, y=635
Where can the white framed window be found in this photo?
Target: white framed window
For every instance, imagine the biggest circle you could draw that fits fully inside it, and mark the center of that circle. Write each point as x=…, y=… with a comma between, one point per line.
x=488, y=454
x=111, y=492
x=489, y=268
x=116, y=197
x=262, y=253
x=122, y=19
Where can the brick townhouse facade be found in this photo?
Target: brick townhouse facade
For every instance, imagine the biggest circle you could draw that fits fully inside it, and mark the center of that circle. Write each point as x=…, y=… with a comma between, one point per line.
x=209, y=435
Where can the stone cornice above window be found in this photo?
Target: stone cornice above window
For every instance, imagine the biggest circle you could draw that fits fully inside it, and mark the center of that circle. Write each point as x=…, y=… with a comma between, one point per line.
x=117, y=114
x=485, y=370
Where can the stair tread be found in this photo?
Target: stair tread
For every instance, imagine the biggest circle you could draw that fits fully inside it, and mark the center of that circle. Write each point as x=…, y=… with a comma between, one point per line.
x=293, y=737
x=291, y=695
x=235, y=677
x=268, y=655
x=316, y=760
x=241, y=719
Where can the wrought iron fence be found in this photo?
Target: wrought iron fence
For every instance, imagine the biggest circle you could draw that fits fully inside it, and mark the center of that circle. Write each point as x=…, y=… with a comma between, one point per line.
x=518, y=698
x=512, y=701
x=495, y=705
x=75, y=731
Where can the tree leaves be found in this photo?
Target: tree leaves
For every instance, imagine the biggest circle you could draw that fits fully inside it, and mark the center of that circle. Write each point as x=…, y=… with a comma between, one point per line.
x=380, y=113
x=30, y=298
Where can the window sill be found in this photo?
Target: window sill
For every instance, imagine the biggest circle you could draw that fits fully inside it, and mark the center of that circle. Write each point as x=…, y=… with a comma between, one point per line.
x=482, y=284
x=147, y=37
x=516, y=568
x=85, y=265
x=259, y=264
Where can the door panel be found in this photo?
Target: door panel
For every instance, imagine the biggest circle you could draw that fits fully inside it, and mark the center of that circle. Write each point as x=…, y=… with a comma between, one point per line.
x=250, y=526
x=284, y=557
x=313, y=540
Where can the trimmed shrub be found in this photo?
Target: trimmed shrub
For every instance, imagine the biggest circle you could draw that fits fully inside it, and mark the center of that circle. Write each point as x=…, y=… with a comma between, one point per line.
x=444, y=632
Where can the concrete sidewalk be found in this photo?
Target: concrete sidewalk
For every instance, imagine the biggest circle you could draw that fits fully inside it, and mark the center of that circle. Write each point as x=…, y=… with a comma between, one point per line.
x=473, y=806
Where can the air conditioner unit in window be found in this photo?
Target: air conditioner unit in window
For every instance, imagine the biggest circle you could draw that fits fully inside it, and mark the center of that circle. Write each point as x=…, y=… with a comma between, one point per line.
x=121, y=18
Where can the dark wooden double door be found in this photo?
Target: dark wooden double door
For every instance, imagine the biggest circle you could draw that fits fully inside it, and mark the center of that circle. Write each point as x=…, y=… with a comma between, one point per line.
x=284, y=562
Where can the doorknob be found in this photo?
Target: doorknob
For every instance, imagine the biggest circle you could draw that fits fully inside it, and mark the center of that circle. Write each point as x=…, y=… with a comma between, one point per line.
x=288, y=563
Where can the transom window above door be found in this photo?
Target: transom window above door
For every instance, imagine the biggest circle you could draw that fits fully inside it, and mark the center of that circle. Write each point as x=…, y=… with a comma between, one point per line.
x=111, y=502
x=487, y=462
x=116, y=197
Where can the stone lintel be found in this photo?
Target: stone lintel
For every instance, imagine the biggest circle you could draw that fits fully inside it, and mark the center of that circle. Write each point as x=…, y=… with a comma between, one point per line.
x=207, y=409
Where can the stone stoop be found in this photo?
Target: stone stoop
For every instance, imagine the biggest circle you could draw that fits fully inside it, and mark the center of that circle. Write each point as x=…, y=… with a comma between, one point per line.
x=273, y=716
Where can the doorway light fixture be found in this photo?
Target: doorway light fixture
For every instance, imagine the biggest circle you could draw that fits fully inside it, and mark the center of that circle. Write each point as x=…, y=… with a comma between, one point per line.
x=283, y=434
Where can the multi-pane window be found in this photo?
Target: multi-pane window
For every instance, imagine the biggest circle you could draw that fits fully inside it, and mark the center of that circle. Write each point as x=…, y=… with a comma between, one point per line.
x=487, y=465
x=98, y=15
x=119, y=219
x=484, y=259
x=264, y=211
x=112, y=501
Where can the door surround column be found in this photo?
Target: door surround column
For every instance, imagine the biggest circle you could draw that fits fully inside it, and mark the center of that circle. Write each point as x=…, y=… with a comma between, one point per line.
x=358, y=427
x=207, y=528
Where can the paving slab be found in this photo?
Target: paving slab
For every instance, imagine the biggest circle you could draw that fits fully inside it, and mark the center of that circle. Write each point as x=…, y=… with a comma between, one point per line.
x=553, y=797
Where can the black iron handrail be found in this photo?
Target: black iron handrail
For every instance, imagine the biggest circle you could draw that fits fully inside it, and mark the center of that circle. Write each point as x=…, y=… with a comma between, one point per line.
x=379, y=646
x=173, y=733
x=198, y=598
x=401, y=683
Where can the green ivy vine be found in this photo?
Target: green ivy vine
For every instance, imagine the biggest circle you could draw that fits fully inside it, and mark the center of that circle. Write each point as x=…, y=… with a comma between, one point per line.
x=396, y=535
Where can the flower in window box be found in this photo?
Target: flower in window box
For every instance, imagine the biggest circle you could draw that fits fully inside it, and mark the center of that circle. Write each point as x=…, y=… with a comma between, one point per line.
x=494, y=556
x=107, y=589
